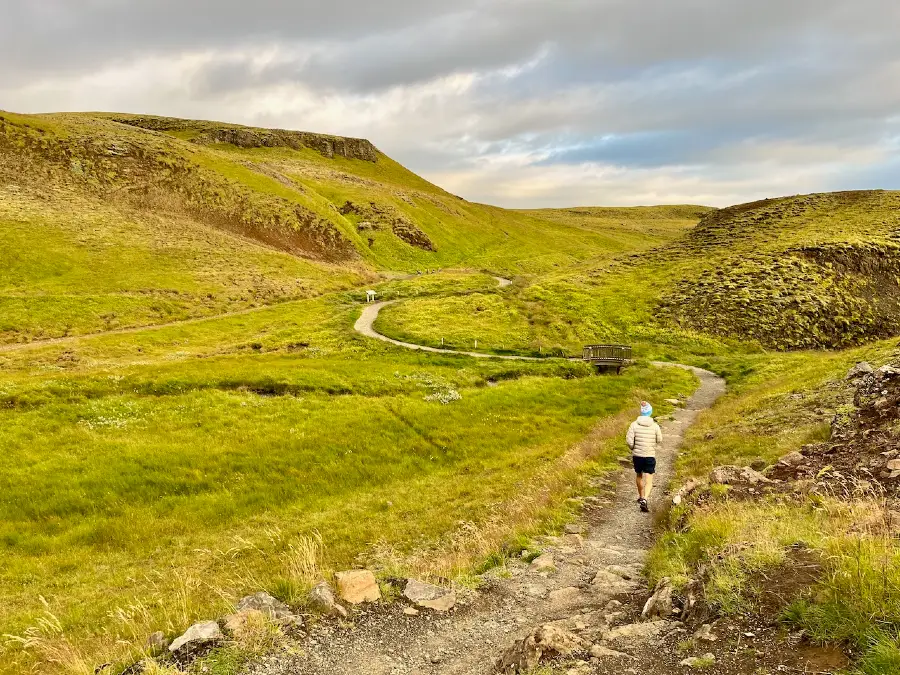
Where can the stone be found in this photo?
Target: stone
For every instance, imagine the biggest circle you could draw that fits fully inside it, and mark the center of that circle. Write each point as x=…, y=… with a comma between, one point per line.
x=792, y=459
x=542, y=644
x=535, y=591
x=893, y=465
x=573, y=528
x=887, y=371
x=357, y=586
x=685, y=490
x=410, y=611
x=322, y=599
x=624, y=572
x=270, y=606
x=634, y=634
x=704, y=661
x=564, y=596
x=601, y=652
x=705, y=634
x=860, y=369
x=243, y=621
x=735, y=475
x=659, y=605
x=157, y=643
x=610, y=583
x=758, y=464
x=429, y=596
x=199, y=635
x=574, y=540
x=544, y=563
x=673, y=401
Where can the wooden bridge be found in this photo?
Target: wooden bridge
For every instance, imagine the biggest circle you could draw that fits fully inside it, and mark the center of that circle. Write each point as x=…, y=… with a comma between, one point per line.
x=615, y=356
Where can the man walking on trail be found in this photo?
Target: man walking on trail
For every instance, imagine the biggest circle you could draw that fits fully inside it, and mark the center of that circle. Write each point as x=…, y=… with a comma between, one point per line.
x=643, y=436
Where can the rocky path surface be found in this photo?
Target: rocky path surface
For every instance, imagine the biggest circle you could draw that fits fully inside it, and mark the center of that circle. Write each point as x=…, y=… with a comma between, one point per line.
x=577, y=588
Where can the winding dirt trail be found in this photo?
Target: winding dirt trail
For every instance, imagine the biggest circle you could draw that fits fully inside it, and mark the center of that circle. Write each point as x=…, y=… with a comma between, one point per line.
x=365, y=325
x=470, y=639
x=612, y=548
x=35, y=344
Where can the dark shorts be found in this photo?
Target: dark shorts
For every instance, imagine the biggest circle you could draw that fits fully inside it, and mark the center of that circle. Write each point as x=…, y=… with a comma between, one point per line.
x=644, y=464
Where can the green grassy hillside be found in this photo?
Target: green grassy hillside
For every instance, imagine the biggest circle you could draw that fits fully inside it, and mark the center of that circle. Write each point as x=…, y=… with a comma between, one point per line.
x=110, y=221
x=813, y=271
x=792, y=273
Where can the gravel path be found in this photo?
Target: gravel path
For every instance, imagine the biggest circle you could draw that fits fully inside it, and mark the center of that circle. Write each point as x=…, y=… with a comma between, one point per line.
x=469, y=639
x=365, y=325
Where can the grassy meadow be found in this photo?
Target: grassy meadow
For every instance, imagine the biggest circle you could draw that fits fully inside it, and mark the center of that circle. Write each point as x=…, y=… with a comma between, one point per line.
x=124, y=482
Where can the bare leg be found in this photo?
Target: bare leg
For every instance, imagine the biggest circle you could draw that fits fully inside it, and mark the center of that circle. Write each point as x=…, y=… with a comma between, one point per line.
x=648, y=485
x=639, y=479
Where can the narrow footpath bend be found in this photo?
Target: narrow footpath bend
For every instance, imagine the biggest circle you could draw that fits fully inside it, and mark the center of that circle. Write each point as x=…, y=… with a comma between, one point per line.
x=469, y=640
x=365, y=325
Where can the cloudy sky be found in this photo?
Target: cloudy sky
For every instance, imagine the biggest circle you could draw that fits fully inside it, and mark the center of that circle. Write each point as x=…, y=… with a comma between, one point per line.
x=521, y=103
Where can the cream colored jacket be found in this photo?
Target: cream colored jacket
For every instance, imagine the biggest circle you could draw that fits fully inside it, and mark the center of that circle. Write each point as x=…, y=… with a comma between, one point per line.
x=643, y=436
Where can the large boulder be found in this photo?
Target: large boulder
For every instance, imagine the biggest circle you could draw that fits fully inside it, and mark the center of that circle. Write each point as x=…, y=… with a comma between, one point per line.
x=543, y=643
x=199, y=636
x=357, y=586
x=429, y=596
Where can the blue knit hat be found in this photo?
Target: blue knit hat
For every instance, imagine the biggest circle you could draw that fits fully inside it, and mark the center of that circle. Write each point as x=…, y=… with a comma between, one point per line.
x=646, y=409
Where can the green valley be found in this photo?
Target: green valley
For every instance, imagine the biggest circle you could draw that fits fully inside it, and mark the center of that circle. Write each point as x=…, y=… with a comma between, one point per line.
x=186, y=410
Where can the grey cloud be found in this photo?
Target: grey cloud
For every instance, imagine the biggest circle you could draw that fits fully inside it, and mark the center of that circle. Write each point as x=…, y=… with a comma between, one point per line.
x=642, y=85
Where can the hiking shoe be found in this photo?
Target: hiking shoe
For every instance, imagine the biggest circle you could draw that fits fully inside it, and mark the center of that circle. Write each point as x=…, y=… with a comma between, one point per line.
x=644, y=507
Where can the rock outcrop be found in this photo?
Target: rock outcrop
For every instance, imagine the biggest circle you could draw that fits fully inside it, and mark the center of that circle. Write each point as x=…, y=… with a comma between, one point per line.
x=252, y=137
